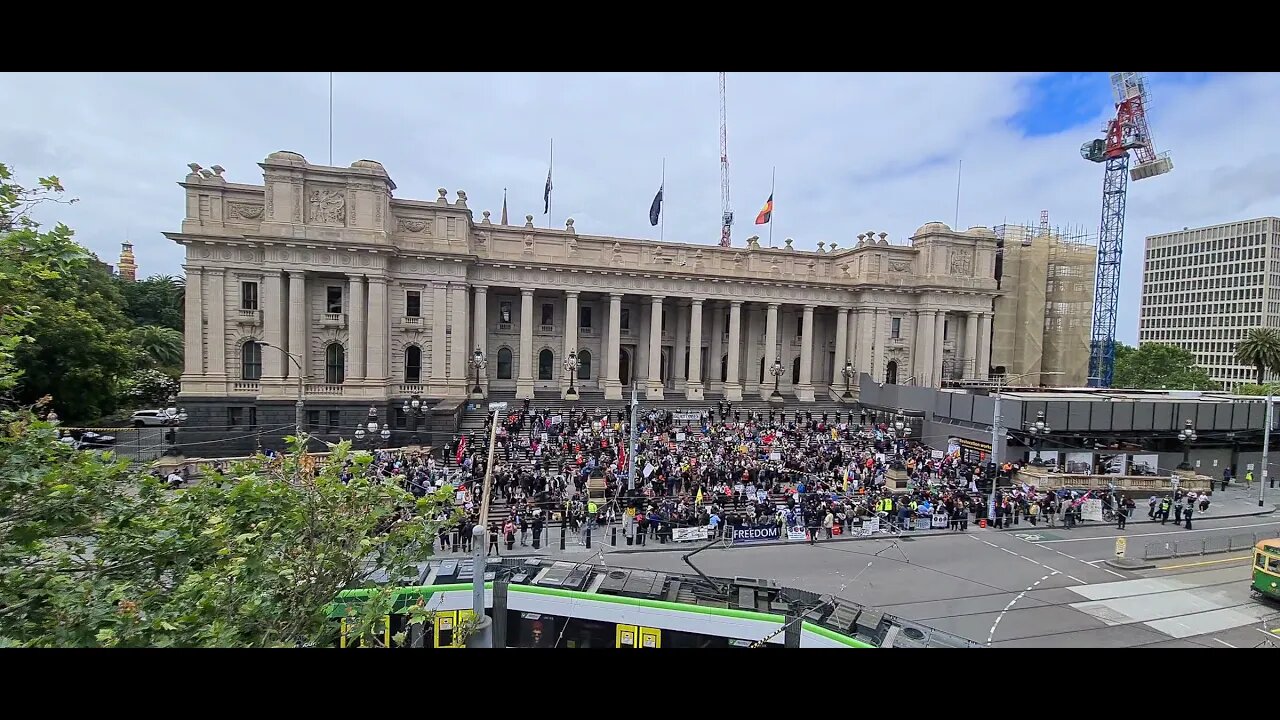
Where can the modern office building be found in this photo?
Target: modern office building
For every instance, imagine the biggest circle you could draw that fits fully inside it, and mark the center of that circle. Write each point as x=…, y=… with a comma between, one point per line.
x=1204, y=288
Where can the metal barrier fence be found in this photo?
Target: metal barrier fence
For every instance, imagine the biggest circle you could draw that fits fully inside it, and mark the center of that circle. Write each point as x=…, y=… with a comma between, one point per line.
x=1206, y=546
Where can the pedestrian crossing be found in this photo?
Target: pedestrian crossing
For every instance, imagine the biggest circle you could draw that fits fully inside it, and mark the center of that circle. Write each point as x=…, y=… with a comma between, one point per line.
x=1183, y=606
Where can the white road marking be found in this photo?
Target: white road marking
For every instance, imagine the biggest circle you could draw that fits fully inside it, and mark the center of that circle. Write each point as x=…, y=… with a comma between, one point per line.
x=1176, y=532
x=990, y=543
x=1113, y=572
x=1046, y=567
x=1009, y=551
x=1269, y=635
x=1224, y=642
x=1073, y=577
x=994, y=625
x=1094, y=562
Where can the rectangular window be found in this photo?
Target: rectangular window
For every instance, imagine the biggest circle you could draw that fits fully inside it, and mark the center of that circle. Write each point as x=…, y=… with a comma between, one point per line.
x=413, y=304
x=248, y=295
x=402, y=420
x=504, y=312
x=334, y=420
x=895, y=328
x=625, y=322
x=548, y=314
x=313, y=419
x=584, y=315
x=333, y=299
x=253, y=416
x=235, y=417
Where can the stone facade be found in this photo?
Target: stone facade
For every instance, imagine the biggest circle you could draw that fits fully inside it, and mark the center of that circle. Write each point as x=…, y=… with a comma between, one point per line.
x=380, y=298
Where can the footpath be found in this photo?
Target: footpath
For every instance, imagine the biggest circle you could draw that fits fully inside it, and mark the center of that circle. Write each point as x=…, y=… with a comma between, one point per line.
x=1234, y=502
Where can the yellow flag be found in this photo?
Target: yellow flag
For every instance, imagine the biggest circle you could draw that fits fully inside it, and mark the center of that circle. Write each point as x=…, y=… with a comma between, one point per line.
x=698, y=501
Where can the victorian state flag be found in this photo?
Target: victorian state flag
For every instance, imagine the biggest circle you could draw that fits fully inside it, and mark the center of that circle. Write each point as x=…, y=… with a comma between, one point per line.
x=655, y=209
x=766, y=212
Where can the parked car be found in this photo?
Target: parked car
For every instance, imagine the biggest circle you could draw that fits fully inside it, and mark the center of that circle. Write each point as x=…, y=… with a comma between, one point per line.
x=148, y=418
x=88, y=440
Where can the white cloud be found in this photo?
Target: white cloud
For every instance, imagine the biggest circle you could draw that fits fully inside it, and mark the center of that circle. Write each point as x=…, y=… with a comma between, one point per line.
x=853, y=152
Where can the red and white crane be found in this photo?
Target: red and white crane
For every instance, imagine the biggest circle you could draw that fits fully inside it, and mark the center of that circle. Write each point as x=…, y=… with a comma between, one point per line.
x=726, y=212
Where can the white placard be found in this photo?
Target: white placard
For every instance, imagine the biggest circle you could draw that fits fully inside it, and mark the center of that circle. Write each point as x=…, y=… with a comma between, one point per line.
x=1091, y=509
x=679, y=437
x=687, y=534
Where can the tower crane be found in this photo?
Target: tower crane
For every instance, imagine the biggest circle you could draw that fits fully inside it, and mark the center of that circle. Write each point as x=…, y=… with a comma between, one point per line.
x=1126, y=131
x=726, y=213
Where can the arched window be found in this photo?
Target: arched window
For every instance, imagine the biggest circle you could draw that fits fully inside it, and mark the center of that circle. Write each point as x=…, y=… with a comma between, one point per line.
x=891, y=373
x=584, y=365
x=545, y=363
x=724, y=368
x=335, y=369
x=251, y=361
x=795, y=371
x=504, y=364
x=413, y=364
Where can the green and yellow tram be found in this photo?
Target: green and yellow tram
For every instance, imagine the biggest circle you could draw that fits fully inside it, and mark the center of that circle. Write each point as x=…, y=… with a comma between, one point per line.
x=1266, y=568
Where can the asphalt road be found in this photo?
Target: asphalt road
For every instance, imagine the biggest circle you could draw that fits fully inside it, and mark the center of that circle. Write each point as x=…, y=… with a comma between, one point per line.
x=998, y=588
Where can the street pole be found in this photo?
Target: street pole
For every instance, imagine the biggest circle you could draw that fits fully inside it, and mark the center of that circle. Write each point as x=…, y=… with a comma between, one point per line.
x=299, y=413
x=630, y=518
x=995, y=453
x=1266, y=447
x=483, y=636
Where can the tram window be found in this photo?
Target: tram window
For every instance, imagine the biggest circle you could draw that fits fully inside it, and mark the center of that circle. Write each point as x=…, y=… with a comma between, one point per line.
x=1273, y=564
x=1261, y=560
x=538, y=630
x=580, y=633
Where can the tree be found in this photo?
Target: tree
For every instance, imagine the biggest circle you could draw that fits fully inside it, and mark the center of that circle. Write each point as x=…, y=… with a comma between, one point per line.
x=157, y=300
x=158, y=346
x=148, y=387
x=1154, y=366
x=1261, y=349
x=1258, y=390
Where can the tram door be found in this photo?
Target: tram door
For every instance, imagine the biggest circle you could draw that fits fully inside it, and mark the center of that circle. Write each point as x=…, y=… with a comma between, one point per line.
x=348, y=637
x=446, y=627
x=635, y=636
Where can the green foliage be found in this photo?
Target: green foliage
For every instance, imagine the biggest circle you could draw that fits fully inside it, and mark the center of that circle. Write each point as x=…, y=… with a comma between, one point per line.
x=1155, y=367
x=1258, y=390
x=1261, y=349
x=145, y=388
x=158, y=346
x=157, y=300
x=252, y=560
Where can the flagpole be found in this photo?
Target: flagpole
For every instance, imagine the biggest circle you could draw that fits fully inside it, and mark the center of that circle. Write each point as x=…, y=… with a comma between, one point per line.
x=662, y=218
x=550, y=168
x=330, y=119
x=773, y=210
x=959, y=172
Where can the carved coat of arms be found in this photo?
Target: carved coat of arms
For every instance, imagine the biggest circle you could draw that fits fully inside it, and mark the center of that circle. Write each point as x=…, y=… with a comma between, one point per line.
x=328, y=207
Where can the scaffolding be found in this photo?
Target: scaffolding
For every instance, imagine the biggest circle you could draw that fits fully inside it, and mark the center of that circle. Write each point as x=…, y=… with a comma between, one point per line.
x=1043, y=320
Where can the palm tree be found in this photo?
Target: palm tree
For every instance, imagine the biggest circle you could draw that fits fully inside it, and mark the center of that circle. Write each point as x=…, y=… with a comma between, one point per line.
x=161, y=344
x=1261, y=349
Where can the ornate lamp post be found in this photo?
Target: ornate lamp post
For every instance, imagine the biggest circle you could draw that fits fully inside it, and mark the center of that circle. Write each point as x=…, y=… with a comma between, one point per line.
x=571, y=367
x=174, y=417
x=1038, y=430
x=372, y=428
x=901, y=431
x=478, y=363
x=776, y=371
x=1187, y=435
x=415, y=409
x=848, y=372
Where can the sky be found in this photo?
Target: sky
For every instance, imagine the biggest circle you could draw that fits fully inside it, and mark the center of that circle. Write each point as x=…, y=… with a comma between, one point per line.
x=852, y=152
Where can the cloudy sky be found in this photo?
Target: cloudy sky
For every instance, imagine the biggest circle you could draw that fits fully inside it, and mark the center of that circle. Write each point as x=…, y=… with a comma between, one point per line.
x=853, y=152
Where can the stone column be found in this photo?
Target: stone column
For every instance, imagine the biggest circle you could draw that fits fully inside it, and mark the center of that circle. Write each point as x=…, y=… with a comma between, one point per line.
x=193, y=326
x=939, y=332
x=273, y=361
x=217, y=338
x=298, y=325
x=881, y=342
x=970, y=363
x=379, y=328
x=928, y=348
x=524, y=382
x=842, y=341
x=770, y=348
x=733, y=388
x=920, y=364
x=570, y=336
x=439, y=341
x=480, y=332
x=612, y=386
x=984, y=346
x=358, y=322
x=459, y=348
x=717, y=346
x=653, y=385
x=804, y=390
x=678, y=346
x=851, y=350
x=693, y=386
x=866, y=341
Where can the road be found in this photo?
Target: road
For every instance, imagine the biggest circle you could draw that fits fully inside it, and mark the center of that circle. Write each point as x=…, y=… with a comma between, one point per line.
x=1009, y=591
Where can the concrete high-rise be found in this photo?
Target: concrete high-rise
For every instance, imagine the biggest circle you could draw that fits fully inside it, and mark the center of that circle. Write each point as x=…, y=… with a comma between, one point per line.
x=1204, y=288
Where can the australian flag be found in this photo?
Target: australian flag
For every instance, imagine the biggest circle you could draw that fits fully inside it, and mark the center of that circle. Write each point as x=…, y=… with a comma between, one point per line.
x=655, y=210
x=546, y=194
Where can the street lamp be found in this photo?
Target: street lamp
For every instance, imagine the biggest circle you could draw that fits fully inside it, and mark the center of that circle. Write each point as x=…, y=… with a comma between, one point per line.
x=997, y=432
x=571, y=367
x=1038, y=430
x=1187, y=435
x=776, y=371
x=174, y=416
x=414, y=408
x=478, y=363
x=902, y=431
x=848, y=372
x=299, y=414
x=371, y=425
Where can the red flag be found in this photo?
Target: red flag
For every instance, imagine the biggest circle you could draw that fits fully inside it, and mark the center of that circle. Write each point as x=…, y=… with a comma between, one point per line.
x=462, y=449
x=622, y=458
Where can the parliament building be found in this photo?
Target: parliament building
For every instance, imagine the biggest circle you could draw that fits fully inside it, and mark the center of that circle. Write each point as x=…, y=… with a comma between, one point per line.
x=321, y=284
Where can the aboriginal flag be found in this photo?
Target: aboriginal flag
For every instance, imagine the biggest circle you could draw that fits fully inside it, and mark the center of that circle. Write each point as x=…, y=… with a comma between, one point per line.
x=766, y=212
